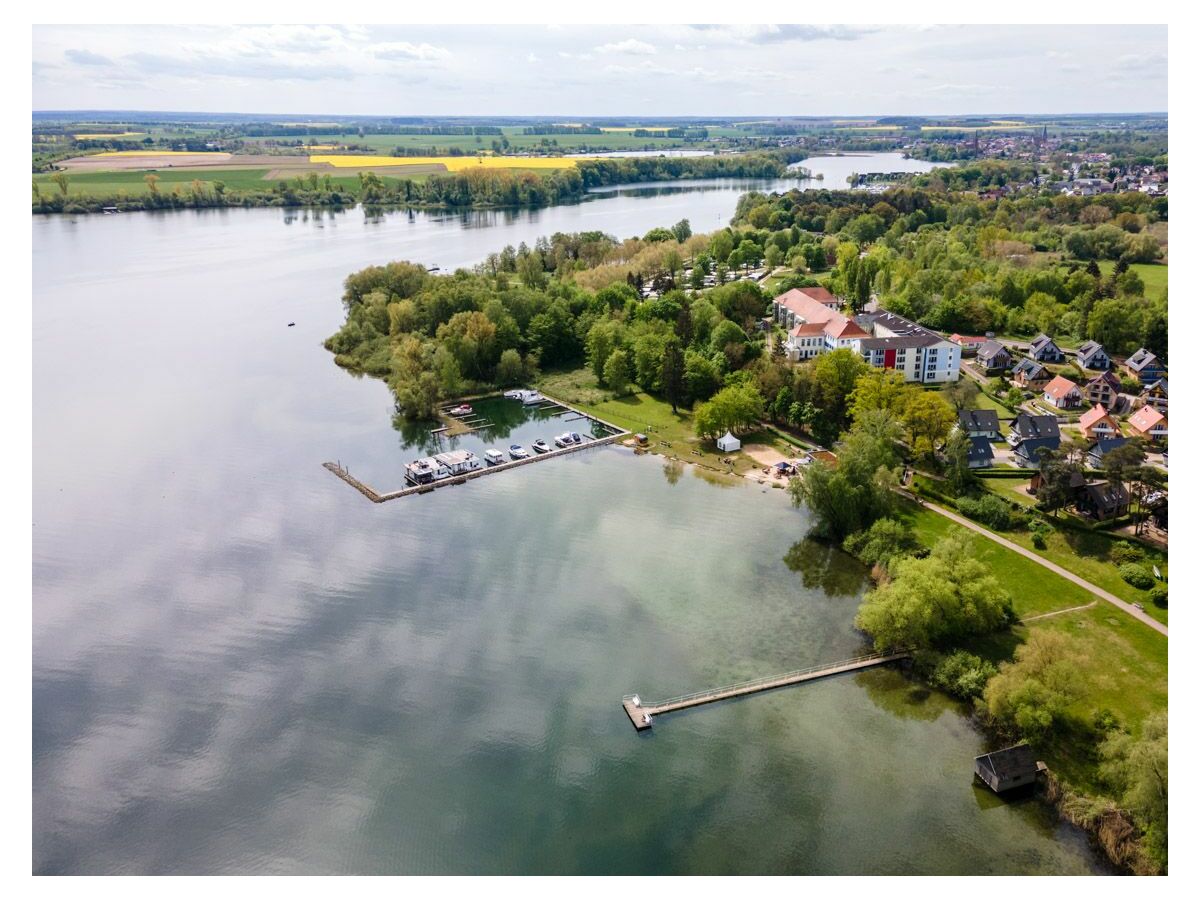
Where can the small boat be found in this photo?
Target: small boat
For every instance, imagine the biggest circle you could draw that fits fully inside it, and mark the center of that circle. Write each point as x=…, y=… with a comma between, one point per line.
x=531, y=397
x=562, y=440
x=493, y=457
x=514, y=395
x=463, y=409
x=541, y=446
x=575, y=438
x=516, y=451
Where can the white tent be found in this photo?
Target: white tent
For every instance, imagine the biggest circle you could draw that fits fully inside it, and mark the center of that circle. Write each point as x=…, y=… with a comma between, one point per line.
x=727, y=443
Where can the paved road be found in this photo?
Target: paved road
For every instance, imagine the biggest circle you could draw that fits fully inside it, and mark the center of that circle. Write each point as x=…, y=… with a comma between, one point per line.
x=1057, y=569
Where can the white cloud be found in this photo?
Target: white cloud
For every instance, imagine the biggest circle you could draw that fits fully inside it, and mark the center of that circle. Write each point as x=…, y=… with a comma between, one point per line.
x=632, y=46
x=406, y=50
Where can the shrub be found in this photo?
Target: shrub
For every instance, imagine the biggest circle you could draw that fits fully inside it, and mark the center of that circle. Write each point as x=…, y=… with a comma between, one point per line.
x=882, y=543
x=963, y=674
x=1137, y=575
x=1039, y=540
x=1125, y=552
x=1158, y=596
x=991, y=511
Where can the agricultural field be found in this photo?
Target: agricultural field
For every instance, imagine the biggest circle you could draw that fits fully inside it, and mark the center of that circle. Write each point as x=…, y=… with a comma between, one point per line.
x=469, y=143
x=133, y=183
x=449, y=163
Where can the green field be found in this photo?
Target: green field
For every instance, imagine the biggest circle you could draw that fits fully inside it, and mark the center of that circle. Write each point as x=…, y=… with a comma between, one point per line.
x=470, y=143
x=1153, y=275
x=133, y=183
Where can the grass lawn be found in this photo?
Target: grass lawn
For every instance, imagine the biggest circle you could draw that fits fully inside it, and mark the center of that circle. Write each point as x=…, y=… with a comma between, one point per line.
x=1125, y=662
x=1088, y=555
x=670, y=434
x=1153, y=275
x=1010, y=489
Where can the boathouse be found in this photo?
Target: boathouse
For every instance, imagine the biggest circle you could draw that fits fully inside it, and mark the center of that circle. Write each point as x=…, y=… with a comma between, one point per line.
x=1012, y=767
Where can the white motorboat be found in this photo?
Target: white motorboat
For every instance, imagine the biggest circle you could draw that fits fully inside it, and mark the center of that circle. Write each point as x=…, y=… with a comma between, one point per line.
x=493, y=457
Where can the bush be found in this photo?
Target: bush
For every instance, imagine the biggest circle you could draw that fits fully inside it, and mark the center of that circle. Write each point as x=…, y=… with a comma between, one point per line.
x=882, y=543
x=1039, y=540
x=1158, y=596
x=992, y=511
x=963, y=674
x=1137, y=575
x=1125, y=552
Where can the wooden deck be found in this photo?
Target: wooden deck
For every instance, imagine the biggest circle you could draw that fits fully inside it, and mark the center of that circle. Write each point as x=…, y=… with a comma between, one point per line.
x=642, y=713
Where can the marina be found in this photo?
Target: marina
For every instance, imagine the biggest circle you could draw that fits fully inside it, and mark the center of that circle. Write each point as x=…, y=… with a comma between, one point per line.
x=458, y=465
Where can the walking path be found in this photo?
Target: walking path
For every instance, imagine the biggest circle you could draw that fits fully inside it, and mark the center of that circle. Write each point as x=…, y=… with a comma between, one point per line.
x=1053, y=567
x=1058, y=612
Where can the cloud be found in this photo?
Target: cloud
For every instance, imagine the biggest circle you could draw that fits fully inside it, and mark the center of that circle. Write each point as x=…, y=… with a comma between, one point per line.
x=398, y=50
x=87, y=58
x=775, y=34
x=632, y=46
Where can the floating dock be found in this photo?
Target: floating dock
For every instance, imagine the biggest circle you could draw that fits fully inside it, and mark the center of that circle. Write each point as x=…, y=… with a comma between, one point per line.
x=615, y=434
x=642, y=713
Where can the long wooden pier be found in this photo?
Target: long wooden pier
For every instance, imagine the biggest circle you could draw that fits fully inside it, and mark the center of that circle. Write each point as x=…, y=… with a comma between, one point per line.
x=642, y=713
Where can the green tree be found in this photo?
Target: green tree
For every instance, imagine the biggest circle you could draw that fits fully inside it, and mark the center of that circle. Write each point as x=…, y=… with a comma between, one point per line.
x=1137, y=769
x=673, y=382
x=1033, y=694
x=936, y=601
x=928, y=419
x=735, y=408
x=958, y=464
x=510, y=370
x=618, y=371
x=63, y=180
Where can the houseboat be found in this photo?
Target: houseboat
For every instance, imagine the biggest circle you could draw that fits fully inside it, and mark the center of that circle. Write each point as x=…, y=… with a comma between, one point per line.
x=493, y=457
x=425, y=471
x=459, y=462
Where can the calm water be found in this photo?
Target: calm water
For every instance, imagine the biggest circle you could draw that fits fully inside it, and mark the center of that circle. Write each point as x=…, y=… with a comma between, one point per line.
x=240, y=665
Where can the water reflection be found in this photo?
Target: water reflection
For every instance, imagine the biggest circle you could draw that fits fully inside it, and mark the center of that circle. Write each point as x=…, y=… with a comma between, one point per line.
x=824, y=566
x=673, y=471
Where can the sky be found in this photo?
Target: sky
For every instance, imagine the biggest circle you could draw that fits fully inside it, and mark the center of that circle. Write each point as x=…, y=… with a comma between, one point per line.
x=610, y=70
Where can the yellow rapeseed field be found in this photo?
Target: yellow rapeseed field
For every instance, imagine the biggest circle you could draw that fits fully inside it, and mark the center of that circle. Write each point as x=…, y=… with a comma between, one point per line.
x=451, y=163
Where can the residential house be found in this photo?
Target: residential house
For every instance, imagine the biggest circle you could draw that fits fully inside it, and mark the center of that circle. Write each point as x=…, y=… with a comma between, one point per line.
x=1043, y=349
x=1103, y=389
x=1012, y=767
x=968, y=344
x=923, y=356
x=1091, y=355
x=1062, y=393
x=1026, y=427
x=1098, y=423
x=1028, y=453
x=980, y=455
x=1031, y=374
x=1145, y=367
x=1097, y=451
x=1077, y=481
x=1155, y=395
x=1149, y=423
x=993, y=358
x=984, y=423
x=1102, y=501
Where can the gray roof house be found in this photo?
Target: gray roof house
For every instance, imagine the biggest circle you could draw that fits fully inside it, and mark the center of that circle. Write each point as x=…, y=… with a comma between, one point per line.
x=992, y=357
x=1027, y=454
x=1012, y=767
x=1097, y=451
x=1027, y=426
x=1043, y=349
x=979, y=423
x=1092, y=356
x=981, y=454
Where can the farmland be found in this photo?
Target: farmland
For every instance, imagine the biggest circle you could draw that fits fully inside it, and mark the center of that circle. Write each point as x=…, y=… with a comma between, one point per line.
x=449, y=163
x=133, y=183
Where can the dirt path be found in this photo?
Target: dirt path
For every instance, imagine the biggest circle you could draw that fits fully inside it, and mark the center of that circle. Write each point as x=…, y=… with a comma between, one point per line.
x=1058, y=612
x=1053, y=567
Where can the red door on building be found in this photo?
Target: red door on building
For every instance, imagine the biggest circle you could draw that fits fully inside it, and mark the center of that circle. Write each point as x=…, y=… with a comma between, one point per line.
x=889, y=359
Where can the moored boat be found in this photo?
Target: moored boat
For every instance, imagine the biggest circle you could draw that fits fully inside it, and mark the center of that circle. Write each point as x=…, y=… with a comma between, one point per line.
x=463, y=409
x=493, y=457
x=516, y=451
x=540, y=446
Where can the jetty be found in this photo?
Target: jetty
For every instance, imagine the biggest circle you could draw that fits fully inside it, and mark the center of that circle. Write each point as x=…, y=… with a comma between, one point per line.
x=642, y=713
x=614, y=433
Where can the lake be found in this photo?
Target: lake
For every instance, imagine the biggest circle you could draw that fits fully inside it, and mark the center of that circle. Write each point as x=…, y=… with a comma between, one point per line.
x=240, y=665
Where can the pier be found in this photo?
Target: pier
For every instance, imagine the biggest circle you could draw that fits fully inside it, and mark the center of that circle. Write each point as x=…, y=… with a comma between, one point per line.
x=642, y=713
x=375, y=496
